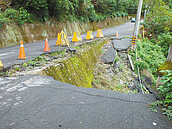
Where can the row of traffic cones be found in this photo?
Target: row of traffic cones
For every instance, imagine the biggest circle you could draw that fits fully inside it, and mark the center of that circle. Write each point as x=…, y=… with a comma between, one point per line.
x=47, y=49
x=76, y=35
x=22, y=51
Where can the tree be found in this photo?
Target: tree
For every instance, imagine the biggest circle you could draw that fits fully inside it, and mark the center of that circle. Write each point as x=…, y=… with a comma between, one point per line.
x=38, y=8
x=159, y=19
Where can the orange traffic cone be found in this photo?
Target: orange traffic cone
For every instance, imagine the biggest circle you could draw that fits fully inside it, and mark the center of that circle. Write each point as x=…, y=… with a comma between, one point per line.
x=22, y=52
x=46, y=48
x=116, y=34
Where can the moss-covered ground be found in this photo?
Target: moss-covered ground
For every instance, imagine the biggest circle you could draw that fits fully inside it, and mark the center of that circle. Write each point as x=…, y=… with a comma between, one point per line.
x=78, y=69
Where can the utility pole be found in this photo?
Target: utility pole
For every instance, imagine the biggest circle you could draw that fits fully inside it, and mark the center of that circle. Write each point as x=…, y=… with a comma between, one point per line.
x=136, y=27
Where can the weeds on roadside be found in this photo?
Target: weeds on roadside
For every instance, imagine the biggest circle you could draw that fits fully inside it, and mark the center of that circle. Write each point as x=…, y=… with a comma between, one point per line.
x=166, y=95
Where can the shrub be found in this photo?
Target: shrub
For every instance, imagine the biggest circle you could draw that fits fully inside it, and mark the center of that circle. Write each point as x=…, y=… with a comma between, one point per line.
x=166, y=93
x=164, y=40
x=4, y=4
x=114, y=14
x=12, y=14
x=93, y=16
x=20, y=17
x=38, y=8
x=23, y=16
x=158, y=20
x=150, y=56
x=126, y=14
x=99, y=17
x=118, y=14
x=122, y=14
x=3, y=20
x=83, y=19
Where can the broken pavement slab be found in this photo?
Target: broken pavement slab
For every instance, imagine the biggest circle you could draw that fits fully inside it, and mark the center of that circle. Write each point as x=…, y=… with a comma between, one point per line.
x=122, y=44
x=34, y=101
x=118, y=43
x=110, y=55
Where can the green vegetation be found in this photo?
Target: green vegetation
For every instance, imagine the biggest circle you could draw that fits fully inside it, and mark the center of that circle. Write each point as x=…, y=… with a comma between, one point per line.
x=20, y=11
x=19, y=16
x=153, y=50
x=158, y=24
x=158, y=31
x=150, y=56
x=164, y=40
x=166, y=95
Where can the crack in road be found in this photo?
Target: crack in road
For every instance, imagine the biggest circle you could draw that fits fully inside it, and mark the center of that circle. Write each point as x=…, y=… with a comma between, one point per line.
x=103, y=96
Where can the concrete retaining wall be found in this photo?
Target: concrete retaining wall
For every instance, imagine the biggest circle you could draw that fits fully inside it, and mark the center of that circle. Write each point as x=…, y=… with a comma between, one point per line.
x=12, y=34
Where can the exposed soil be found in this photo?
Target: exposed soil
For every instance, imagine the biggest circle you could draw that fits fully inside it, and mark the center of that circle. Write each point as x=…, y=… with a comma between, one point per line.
x=116, y=76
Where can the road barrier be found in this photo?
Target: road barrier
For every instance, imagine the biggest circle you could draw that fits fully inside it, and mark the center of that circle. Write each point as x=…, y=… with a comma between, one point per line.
x=76, y=37
x=22, y=52
x=62, y=39
x=99, y=33
x=134, y=39
x=133, y=46
x=46, y=47
x=1, y=65
x=89, y=35
x=59, y=40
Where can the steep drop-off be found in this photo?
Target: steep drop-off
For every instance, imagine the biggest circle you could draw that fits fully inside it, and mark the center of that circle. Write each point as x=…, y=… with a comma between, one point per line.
x=77, y=70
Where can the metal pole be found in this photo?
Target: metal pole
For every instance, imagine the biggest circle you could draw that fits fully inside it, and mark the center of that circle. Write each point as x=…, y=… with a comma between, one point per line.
x=145, y=11
x=136, y=27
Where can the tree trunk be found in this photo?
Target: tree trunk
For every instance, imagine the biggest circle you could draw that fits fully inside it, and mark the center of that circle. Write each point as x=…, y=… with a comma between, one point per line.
x=169, y=57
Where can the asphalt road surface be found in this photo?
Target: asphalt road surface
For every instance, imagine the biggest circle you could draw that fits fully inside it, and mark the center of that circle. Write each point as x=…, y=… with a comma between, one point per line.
x=40, y=102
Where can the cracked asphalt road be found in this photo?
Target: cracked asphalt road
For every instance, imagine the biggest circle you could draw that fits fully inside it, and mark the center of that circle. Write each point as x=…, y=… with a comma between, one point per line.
x=34, y=101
